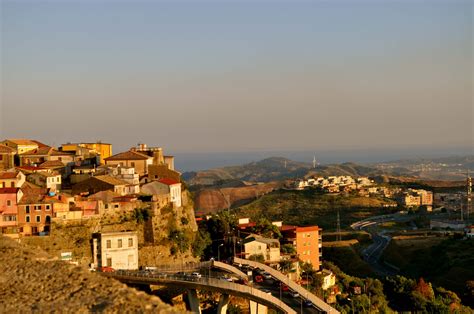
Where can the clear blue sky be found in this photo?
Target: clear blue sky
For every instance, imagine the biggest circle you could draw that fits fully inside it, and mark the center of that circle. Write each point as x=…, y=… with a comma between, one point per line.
x=196, y=76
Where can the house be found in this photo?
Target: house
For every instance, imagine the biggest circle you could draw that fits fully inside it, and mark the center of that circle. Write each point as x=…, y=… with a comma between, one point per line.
x=9, y=199
x=103, y=150
x=42, y=154
x=133, y=159
x=46, y=179
x=329, y=279
x=22, y=145
x=118, y=250
x=255, y=245
x=100, y=183
x=7, y=157
x=34, y=213
x=12, y=179
x=174, y=190
x=307, y=242
x=126, y=174
x=469, y=230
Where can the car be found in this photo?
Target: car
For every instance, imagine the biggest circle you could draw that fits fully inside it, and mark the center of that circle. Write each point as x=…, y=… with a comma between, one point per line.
x=258, y=278
x=226, y=278
x=307, y=303
x=107, y=269
x=266, y=275
x=294, y=294
x=196, y=275
x=284, y=287
x=242, y=281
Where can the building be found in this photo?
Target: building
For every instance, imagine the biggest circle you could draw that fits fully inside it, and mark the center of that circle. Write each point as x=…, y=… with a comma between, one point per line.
x=416, y=198
x=103, y=150
x=42, y=154
x=9, y=199
x=45, y=179
x=307, y=242
x=126, y=174
x=329, y=279
x=469, y=230
x=12, y=179
x=22, y=145
x=255, y=245
x=7, y=157
x=132, y=159
x=118, y=250
x=35, y=212
x=96, y=184
x=174, y=188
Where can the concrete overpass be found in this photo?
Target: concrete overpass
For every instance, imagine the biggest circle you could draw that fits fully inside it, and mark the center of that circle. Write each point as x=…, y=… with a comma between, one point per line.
x=255, y=296
x=318, y=303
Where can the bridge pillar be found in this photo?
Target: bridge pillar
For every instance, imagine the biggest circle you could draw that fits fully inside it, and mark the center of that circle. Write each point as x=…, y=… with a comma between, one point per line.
x=193, y=301
x=256, y=308
x=223, y=303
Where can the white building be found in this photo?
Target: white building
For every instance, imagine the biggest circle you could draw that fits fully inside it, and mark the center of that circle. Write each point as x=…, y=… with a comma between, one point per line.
x=118, y=250
x=257, y=245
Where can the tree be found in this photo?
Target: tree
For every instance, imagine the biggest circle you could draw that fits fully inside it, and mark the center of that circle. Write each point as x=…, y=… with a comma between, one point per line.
x=424, y=289
x=265, y=228
x=201, y=241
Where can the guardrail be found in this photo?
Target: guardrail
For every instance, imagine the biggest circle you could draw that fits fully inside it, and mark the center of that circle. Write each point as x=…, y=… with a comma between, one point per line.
x=318, y=303
x=231, y=269
x=204, y=283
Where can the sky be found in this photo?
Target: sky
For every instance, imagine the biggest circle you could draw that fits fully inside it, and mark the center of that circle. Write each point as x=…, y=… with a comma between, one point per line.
x=240, y=76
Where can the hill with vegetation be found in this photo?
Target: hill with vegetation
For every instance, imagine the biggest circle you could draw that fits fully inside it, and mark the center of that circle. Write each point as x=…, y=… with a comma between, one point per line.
x=309, y=207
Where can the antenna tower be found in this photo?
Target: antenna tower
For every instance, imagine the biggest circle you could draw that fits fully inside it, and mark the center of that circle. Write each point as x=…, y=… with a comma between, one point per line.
x=314, y=162
x=468, y=195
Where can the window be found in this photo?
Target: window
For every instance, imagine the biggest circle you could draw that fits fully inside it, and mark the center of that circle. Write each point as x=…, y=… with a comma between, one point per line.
x=1, y=157
x=106, y=206
x=9, y=203
x=133, y=164
x=47, y=207
x=27, y=219
x=38, y=218
x=109, y=244
x=130, y=242
x=12, y=184
x=119, y=243
x=109, y=261
x=27, y=209
x=116, y=206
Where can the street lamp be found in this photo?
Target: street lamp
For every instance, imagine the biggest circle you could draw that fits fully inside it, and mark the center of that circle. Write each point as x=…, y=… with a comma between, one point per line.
x=219, y=252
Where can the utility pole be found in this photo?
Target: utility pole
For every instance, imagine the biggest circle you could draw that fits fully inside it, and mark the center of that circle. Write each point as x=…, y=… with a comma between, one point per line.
x=338, y=228
x=468, y=195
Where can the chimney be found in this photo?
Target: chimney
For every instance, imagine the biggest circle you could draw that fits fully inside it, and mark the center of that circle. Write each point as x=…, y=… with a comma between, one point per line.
x=158, y=157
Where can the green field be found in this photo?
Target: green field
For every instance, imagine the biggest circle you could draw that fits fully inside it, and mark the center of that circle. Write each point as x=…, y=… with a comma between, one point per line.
x=309, y=207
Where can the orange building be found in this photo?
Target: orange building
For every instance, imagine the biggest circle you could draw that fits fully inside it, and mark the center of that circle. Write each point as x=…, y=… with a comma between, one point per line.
x=307, y=242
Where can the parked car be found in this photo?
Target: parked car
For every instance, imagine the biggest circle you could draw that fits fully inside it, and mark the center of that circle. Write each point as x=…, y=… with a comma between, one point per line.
x=307, y=303
x=226, y=278
x=107, y=269
x=284, y=287
x=196, y=275
x=258, y=278
x=266, y=275
x=294, y=294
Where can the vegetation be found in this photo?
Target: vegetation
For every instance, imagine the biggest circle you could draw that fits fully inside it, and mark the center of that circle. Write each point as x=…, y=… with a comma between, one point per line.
x=310, y=207
x=180, y=242
x=445, y=262
x=141, y=214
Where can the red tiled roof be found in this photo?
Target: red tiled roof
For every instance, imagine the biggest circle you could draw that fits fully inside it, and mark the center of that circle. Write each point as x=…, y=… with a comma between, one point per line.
x=129, y=155
x=168, y=181
x=8, y=175
x=287, y=227
x=52, y=164
x=30, y=168
x=306, y=229
x=21, y=141
x=8, y=190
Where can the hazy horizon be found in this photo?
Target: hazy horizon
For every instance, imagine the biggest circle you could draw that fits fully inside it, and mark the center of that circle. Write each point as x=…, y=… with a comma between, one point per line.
x=241, y=76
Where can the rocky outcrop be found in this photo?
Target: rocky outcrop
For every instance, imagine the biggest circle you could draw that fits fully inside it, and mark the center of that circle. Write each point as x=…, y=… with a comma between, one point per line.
x=32, y=281
x=213, y=200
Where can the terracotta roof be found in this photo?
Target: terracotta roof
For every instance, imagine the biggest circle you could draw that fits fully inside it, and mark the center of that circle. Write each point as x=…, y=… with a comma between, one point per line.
x=39, y=143
x=45, y=150
x=8, y=190
x=52, y=164
x=22, y=141
x=111, y=180
x=8, y=175
x=306, y=229
x=31, y=168
x=168, y=181
x=6, y=150
x=129, y=155
x=105, y=196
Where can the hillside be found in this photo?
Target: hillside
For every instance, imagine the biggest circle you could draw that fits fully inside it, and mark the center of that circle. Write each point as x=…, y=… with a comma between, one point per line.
x=33, y=281
x=309, y=207
x=266, y=170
